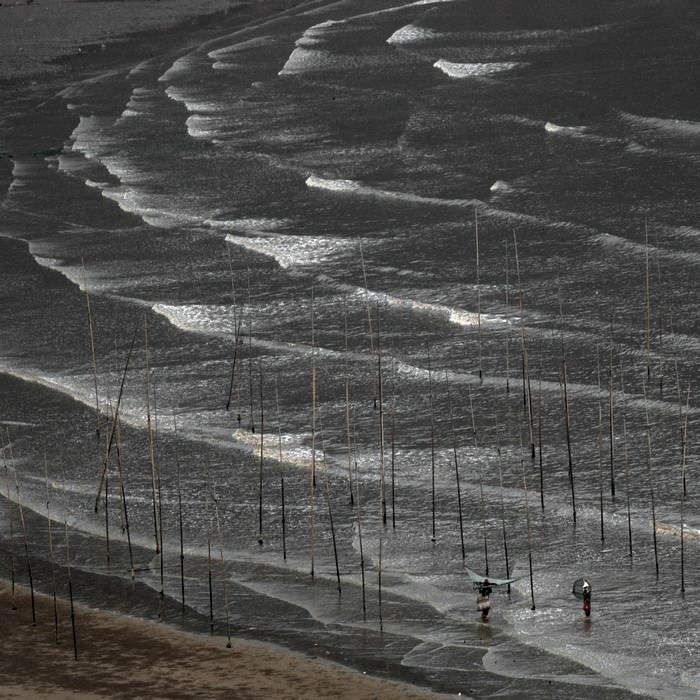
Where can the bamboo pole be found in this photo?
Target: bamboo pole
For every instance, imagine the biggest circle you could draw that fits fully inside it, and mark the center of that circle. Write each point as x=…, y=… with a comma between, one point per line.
x=10, y=523
x=611, y=410
x=647, y=297
x=91, y=331
x=281, y=465
x=683, y=460
x=478, y=293
x=69, y=574
x=179, y=515
x=382, y=471
x=481, y=482
x=151, y=447
x=52, y=555
x=626, y=456
x=526, y=363
x=369, y=326
x=529, y=526
x=124, y=510
x=223, y=569
x=209, y=563
x=651, y=478
x=539, y=427
x=312, y=496
x=24, y=529
x=503, y=507
x=250, y=356
x=346, y=377
x=456, y=461
x=330, y=511
x=236, y=330
x=262, y=460
x=358, y=514
x=600, y=447
x=507, y=325
x=432, y=447
x=110, y=441
x=565, y=395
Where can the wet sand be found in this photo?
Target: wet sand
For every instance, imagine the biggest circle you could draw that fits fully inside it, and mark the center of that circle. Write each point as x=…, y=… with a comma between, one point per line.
x=123, y=657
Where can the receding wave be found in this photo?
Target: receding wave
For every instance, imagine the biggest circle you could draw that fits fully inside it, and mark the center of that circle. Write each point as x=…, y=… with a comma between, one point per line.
x=292, y=251
x=355, y=187
x=670, y=127
x=565, y=130
x=474, y=70
x=413, y=34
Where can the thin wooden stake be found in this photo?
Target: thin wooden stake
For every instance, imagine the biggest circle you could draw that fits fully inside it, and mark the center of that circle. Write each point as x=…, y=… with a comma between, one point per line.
x=626, y=455
x=457, y=482
x=481, y=483
x=24, y=529
x=651, y=478
x=52, y=556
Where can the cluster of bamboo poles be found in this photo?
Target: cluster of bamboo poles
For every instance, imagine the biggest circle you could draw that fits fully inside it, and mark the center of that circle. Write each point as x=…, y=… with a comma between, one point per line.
x=529, y=432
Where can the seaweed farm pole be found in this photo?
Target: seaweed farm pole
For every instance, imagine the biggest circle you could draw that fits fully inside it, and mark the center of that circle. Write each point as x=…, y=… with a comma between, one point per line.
x=250, y=357
x=369, y=325
x=611, y=412
x=478, y=292
x=660, y=312
x=330, y=511
x=68, y=571
x=567, y=424
x=262, y=456
x=600, y=447
x=359, y=534
x=454, y=450
x=647, y=297
x=211, y=590
x=432, y=444
x=24, y=530
x=382, y=473
x=683, y=458
x=526, y=363
x=236, y=330
x=179, y=516
x=10, y=522
x=151, y=444
x=223, y=570
x=503, y=507
x=279, y=436
x=626, y=458
x=507, y=330
x=539, y=426
x=312, y=495
x=481, y=482
x=529, y=527
x=651, y=477
x=393, y=441
x=124, y=511
x=91, y=331
x=52, y=556
x=346, y=377
x=110, y=441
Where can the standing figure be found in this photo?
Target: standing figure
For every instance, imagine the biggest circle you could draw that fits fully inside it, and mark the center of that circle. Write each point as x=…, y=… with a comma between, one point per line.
x=483, y=602
x=586, y=589
x=582, y=590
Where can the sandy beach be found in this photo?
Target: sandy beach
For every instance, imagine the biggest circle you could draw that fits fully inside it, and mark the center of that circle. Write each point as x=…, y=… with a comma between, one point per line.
x=122, y=657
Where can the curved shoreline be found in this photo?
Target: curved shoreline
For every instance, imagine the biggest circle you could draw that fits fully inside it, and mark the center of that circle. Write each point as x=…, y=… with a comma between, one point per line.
x=123, y=657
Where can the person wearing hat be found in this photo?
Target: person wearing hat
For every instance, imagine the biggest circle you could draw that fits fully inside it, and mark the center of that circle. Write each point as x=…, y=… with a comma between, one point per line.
x=484, y=603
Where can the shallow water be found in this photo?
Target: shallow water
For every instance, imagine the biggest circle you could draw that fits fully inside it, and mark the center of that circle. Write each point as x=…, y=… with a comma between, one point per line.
x=357, y=241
